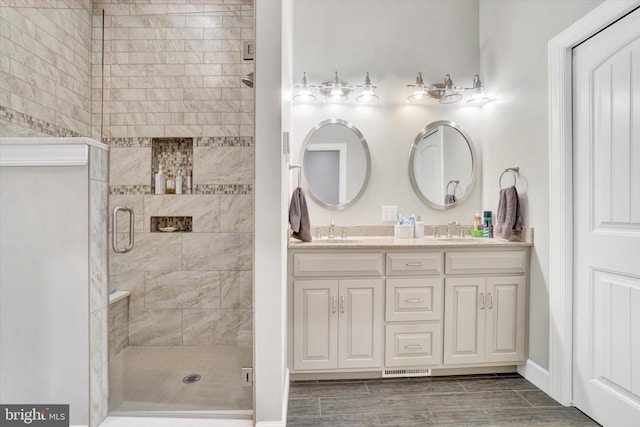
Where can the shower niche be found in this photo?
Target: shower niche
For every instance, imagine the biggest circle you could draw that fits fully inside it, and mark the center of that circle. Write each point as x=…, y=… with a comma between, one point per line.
x=174, y=154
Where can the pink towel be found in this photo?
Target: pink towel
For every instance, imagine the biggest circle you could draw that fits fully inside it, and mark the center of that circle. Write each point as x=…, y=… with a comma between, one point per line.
x=509, y=217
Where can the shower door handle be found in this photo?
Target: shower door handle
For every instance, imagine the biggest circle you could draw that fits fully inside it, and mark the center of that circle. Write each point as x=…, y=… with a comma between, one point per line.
x=114, y=230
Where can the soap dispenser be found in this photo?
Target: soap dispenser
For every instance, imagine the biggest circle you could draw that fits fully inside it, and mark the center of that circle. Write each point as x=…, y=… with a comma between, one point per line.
x=418, y=228
x=160, y=180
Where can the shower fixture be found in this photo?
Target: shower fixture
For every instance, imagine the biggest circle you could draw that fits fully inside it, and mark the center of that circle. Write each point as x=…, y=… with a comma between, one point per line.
x=248, y=79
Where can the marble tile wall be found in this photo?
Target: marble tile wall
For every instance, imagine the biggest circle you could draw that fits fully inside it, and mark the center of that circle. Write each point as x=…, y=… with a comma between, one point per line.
x=173, y=70
x=45, y=68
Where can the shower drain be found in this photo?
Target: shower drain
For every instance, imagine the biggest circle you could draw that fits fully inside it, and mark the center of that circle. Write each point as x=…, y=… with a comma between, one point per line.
x=190, y=379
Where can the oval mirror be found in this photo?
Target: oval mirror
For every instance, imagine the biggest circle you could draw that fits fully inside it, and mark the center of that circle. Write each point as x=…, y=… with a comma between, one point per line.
x=442, y=165
x=336, y=163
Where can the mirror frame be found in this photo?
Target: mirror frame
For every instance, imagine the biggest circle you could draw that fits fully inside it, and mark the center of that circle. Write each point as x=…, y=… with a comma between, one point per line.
x=474, y=162
x=363, y=142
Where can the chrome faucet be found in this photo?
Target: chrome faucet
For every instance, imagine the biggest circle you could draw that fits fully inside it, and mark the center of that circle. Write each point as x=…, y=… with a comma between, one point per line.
x=450, y=227
x=332, y=229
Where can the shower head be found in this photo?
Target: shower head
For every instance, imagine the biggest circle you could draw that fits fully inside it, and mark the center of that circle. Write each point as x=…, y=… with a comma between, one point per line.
x=248, y=79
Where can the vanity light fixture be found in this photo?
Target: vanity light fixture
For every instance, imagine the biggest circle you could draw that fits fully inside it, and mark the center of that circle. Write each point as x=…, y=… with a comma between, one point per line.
x=451, y=93
x=367, y=95
x=303, y=91
x=335, y=90
x=447, y=92
x=478, y=97
x=420, y=92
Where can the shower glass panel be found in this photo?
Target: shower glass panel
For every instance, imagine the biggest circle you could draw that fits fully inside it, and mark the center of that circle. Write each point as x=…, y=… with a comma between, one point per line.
x=180, y=339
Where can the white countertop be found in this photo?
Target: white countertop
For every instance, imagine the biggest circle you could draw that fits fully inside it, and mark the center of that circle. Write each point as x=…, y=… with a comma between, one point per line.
x=390, y=242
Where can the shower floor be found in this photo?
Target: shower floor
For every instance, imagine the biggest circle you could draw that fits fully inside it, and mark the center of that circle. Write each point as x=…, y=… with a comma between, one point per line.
x=145, y=379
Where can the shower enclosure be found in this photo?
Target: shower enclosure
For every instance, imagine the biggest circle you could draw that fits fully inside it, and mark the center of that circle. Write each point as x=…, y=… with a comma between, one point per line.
x=160, y=83
x=173, y=90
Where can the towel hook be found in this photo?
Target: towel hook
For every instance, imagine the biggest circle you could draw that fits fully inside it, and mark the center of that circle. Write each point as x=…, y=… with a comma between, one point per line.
x=514, y=171
x=299, y=172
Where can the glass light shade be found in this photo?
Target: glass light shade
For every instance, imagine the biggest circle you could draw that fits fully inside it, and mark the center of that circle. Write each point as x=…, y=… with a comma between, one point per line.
x=478, y=97
x=367, y=95
x=450, y=97
x=304, y=95
x=336, y=94
x=419, y=94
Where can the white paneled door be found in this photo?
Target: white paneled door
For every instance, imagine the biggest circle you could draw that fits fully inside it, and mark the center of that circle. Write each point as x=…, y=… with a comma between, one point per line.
x=606, y=122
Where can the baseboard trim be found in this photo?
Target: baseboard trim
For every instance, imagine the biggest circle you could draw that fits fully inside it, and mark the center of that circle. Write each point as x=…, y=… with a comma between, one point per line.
x=535, y=374
x=285, y=407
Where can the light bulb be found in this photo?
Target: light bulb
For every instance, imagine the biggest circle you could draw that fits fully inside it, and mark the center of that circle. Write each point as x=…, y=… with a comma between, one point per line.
x=479, y=97
x=303, y=94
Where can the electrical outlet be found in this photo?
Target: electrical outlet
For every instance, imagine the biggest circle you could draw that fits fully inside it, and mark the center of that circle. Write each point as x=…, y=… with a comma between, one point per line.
x=389, y=213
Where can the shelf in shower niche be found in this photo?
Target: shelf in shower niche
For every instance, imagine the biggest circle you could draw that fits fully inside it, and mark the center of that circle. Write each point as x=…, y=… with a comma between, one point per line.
x=171, y=224
x=175, y=154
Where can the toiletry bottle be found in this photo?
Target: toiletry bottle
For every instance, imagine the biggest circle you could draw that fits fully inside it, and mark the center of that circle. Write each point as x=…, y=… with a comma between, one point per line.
x=476, y=221
x=487, y=226
x=160, y=180
x=171, y=183
x=188, y=182
x=418, y=228
x=179, y=182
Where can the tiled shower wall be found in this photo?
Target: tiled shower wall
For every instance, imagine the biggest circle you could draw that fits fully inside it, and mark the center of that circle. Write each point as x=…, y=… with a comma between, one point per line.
x=45, y=68
x=173, y=70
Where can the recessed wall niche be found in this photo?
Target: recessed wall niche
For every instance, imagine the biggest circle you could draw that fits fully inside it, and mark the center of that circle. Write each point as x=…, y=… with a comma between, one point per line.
x=174, y=153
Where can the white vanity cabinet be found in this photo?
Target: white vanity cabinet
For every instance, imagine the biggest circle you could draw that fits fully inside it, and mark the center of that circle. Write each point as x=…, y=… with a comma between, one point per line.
x=337, y=323
x=388, y=309
x=485, y=314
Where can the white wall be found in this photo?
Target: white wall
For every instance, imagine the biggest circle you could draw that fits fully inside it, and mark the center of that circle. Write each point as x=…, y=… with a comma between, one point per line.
x=271, y=380
x=393, y=41
x=513, y=58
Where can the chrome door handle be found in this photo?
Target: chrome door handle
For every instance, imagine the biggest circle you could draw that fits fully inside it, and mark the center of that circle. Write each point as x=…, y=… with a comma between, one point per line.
x=490, y=305
x=481, y=301
x=114, y=229
x=333, y=304
x=341, y=303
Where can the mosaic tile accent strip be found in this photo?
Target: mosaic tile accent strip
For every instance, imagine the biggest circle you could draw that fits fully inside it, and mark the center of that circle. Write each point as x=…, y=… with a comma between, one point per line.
x=225, y=141
x=182, y=223
x=224, y=189
x=130, y=190
x=127, y=142
x=22, y=119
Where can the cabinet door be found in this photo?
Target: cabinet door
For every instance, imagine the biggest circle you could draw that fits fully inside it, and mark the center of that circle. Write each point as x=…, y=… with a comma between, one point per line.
x=360, y=331
x=315, y=324
x=464, y=320
x=505, y=329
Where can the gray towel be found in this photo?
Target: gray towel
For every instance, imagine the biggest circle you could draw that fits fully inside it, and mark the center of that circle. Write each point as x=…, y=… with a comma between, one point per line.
x=299, y=216
x=449, y=199
x=509, y=217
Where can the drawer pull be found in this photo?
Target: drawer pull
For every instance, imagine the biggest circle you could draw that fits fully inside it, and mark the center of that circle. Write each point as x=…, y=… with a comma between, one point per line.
x=413, y=346
x=413, y=300
x=414, y=264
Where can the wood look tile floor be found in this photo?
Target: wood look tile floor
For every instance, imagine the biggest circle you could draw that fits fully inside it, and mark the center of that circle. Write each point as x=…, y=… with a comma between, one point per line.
x=461, y=401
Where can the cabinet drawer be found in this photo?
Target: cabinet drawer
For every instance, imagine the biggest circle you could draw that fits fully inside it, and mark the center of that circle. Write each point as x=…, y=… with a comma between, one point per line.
x=414, y=263
x=486, y=262
x=337, y=264
x=413, y=345
x=413, y=299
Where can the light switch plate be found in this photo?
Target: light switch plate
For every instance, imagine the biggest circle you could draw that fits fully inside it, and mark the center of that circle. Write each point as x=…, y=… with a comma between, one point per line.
x=389, y=213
